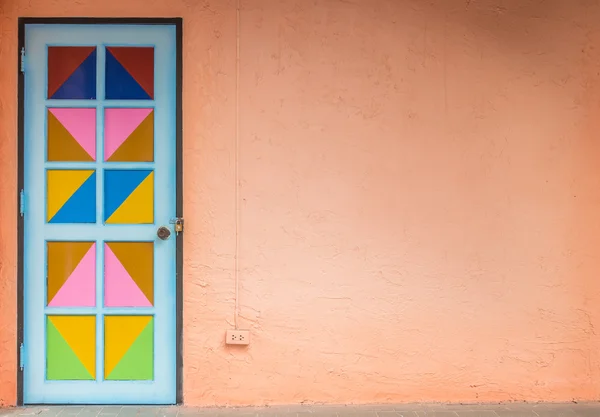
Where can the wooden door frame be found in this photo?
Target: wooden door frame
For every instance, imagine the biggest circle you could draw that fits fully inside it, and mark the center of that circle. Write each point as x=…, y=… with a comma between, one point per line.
x=178, y=23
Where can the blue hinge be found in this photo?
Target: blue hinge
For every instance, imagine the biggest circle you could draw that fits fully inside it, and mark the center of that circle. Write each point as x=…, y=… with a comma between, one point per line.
x=22, y=202
x=23, y=60
x=21, y=356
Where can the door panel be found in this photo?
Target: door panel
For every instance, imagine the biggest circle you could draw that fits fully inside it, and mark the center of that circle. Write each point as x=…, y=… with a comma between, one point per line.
x=99, y=180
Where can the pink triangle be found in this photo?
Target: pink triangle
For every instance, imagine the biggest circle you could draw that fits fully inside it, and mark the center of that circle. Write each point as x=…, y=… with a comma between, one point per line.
x=79, y=290
x=118, y=125
x=81, y=124
x=120, y=290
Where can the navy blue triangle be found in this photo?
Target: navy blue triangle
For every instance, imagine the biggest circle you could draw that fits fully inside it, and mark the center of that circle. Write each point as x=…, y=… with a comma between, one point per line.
x=81, y=207
x=118, y=185
x=120, y=85
x=82, y=83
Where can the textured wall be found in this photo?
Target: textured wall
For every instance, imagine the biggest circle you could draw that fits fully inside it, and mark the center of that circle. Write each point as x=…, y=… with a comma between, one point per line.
x=420, y=197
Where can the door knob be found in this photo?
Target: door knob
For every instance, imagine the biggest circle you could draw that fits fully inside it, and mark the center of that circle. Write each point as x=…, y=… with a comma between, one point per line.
x=163, y=232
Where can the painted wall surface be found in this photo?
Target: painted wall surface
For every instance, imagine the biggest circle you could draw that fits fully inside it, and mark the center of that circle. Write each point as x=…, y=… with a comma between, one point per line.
x=419, y=197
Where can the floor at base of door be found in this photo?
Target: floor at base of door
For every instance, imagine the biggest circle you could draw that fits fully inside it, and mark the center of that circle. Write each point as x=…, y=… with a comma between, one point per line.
x=406, y=410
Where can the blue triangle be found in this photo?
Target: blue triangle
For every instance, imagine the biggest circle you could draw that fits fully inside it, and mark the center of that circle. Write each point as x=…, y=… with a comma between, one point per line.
x=118, y=185
x=120, y=84
x=81, y=207
x=82, y=83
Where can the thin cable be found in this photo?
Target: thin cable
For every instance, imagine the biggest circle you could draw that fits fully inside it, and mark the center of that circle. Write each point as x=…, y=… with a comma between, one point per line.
x=237, y=159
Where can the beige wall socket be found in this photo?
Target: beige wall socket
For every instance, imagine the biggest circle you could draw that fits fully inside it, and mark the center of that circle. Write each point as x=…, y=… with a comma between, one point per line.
x=237, y=337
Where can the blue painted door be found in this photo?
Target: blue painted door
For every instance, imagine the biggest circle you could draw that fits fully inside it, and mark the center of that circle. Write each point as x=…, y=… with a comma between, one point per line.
x=99, y=182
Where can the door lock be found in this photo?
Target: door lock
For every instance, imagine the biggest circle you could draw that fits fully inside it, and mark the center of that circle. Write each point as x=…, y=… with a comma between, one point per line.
x=163, y=233
x=178, y=222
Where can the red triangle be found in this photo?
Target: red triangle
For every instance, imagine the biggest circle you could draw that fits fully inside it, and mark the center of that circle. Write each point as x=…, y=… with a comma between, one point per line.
x=62, y=61
x=139, y=62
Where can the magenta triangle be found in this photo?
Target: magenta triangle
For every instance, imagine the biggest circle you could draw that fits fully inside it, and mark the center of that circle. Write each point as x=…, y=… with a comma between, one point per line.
x=81, y=124
x=79, y=290
x=120, y=290
x=119, y=124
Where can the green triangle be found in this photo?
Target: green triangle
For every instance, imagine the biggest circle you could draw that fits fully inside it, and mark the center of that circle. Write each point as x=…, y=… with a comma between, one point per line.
x=137, y=364
x=61, y=362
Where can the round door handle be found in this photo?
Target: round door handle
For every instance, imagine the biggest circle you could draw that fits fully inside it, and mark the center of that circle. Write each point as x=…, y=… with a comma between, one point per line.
x=163, y=232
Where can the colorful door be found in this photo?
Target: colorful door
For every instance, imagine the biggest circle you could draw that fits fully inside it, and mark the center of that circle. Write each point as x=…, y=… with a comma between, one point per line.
x=99, y=182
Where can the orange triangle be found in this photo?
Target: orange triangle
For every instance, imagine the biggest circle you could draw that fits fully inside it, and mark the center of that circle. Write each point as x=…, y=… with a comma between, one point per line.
x=139, y=146
x=62, y=146
x=138, y=259
x=63, y=258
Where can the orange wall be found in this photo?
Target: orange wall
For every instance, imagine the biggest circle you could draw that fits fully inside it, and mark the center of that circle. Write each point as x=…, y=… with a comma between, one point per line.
x=420, y=197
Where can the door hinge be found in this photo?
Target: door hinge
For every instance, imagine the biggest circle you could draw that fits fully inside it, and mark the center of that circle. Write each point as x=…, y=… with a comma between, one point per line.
x=21, y=356
x=23, y=60
x=22, y=202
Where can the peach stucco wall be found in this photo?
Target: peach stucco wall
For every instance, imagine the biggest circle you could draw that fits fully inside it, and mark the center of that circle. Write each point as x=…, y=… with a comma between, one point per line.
x=419, y=197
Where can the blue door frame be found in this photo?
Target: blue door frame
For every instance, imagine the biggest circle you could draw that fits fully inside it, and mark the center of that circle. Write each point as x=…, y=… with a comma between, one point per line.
x=175, y=381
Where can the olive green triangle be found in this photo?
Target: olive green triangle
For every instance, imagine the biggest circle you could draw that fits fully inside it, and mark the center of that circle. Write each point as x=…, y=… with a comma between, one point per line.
x=61, y=362
x=139, y=146
x=137, y=364
x=62, y=146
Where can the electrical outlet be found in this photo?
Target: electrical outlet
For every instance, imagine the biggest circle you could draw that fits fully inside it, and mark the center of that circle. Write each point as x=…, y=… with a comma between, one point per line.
x=237, y=337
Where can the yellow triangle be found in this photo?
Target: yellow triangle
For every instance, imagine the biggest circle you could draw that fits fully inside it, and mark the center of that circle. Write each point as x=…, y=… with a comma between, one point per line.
x=138, y=208
x=119, y=333
x=62, y=184
x=80, y=333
